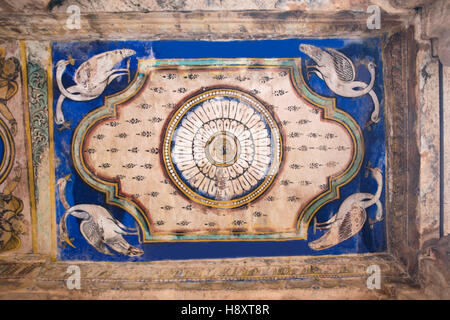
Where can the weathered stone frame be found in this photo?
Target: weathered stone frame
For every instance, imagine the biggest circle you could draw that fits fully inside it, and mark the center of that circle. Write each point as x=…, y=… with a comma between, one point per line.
x=403, y=158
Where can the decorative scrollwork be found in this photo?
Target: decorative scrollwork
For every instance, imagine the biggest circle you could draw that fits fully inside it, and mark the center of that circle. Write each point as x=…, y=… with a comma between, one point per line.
x=38, y=106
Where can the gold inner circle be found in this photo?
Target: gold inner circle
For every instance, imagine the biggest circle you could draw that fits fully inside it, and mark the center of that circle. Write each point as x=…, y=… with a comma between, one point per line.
x=222, y=149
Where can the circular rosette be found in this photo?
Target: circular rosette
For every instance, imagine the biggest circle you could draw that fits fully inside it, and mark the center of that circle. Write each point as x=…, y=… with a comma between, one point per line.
x=222, y=148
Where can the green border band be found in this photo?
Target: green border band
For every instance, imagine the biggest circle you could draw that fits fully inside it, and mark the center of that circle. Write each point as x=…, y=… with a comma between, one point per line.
x=330, y=112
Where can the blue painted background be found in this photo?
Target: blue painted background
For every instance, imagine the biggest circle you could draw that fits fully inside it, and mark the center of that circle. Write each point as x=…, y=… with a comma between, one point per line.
x=2, y=150
x=77, y=192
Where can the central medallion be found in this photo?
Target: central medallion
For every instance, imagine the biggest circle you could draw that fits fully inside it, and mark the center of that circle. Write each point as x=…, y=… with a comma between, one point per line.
x=222, y=148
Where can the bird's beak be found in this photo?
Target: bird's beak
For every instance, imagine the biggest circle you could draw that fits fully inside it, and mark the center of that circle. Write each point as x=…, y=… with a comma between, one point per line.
x=70, y=60
x=69, y=242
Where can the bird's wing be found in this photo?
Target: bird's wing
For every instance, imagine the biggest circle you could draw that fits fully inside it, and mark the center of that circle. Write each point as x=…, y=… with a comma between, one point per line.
x=327, y=240
x=119, y=244
x=121, y=226
x=93, y=234
x=343, y=65
x=352, y=223
x=95, y=69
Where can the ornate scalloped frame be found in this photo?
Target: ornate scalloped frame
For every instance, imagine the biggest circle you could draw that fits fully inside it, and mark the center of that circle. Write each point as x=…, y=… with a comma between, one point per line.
x=330, y=112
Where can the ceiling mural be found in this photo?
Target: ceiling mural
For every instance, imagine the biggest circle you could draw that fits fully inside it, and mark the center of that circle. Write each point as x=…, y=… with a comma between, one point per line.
x=197, y=149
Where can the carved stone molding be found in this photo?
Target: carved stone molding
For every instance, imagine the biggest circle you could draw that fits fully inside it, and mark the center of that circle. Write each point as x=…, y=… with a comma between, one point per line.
x=213, y=25
x=403, y=156
x=307, y=273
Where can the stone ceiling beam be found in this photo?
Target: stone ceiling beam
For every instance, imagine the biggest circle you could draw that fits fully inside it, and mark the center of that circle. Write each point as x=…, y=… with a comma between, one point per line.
x=97, y=6
x=193, y=25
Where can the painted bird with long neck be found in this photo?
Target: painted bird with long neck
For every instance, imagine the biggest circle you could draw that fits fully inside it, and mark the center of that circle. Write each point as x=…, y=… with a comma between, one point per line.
x=100, y=229
x=351, y=216
x=91, y=78
x=339, y=74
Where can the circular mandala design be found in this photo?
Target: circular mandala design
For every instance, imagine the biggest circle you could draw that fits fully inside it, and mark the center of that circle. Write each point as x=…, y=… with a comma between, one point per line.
x=222, y=148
